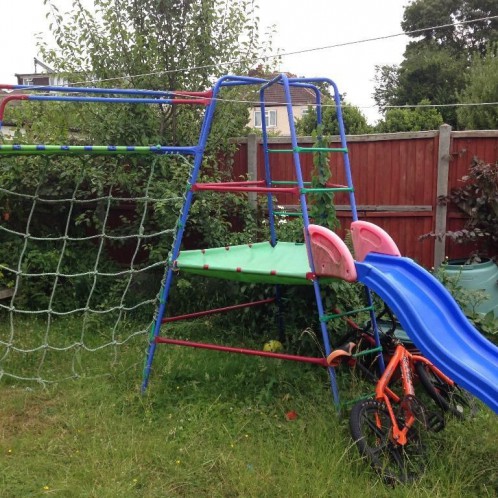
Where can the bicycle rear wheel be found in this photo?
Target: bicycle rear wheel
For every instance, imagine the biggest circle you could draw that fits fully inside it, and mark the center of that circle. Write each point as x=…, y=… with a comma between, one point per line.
x=371, y=428
x=450, y=398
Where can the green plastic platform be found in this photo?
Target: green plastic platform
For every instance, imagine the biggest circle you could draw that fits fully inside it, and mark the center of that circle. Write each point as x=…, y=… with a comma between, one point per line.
x=286, y=263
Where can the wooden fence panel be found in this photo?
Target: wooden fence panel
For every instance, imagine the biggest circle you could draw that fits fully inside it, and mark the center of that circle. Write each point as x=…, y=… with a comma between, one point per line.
x=397, y=178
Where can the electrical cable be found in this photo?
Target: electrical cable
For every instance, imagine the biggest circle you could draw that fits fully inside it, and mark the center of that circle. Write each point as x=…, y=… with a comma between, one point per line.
x=296, y=52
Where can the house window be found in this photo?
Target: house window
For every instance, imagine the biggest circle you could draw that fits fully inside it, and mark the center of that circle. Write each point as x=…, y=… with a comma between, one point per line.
x=27, y=81
x=270, y=116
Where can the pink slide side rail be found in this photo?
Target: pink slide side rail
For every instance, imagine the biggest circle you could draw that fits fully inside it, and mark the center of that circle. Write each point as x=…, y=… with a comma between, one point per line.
x=331, y=256
x=368, y=238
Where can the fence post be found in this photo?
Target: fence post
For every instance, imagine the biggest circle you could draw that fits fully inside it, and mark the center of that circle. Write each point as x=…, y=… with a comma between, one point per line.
x=443, y=165
x=252, y=166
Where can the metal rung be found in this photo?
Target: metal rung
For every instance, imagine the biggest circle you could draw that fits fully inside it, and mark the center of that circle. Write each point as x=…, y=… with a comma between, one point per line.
x=326, y=189
x=321, y=149
x=310, y=149
x=41, y=149
x=361, y=398
x=284, y=213
x=378, y=349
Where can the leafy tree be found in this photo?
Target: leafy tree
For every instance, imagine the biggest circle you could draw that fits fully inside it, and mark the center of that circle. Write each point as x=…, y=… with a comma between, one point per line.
x=386, y=85
x=428, y=72
x=153, y=44
x=420, y=14
x=411, y=119
x=355, y=121
x=435, y=63
x=482, y=86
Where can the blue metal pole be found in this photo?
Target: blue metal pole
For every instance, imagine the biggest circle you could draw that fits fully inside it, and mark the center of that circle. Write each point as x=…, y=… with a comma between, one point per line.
x=79, y=89
x=271, y=211
x=347, y=169
x=342, y=135
x=269, y=197
x=304, y=209
x=107, y=100
x=206, y=126
x=373, y=321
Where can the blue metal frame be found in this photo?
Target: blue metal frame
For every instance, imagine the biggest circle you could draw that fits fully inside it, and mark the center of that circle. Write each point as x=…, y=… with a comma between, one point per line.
x=349, y=179
x=304, y=212
x=206, y=127
x=133, y=96
x=287, y=83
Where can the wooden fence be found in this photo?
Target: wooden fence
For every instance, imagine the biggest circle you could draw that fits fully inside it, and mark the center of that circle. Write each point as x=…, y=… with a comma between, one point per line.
x=397, y=179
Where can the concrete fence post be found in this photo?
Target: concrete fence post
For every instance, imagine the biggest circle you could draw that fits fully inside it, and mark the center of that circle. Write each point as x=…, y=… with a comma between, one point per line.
x=443, y=166
x=252, y=166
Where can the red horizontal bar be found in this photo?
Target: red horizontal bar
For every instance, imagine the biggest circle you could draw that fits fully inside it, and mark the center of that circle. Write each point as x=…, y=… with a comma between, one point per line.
x=225, y=188
x=200, y=101
x=335, y=185
x=252, y=352
x=186, y=93
x=348, y=320
x=217, y=310
x=238, y=184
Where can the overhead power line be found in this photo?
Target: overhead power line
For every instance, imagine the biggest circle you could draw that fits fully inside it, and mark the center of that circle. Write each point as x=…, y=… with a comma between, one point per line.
x=460, y=104
x=255, y=103
x=296, y=52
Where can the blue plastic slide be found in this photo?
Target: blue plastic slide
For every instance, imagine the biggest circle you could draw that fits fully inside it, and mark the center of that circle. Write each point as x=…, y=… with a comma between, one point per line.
x=435, y=323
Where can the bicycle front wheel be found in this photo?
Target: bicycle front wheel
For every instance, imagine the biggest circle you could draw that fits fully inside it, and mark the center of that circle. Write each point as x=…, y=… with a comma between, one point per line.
x=371, y=428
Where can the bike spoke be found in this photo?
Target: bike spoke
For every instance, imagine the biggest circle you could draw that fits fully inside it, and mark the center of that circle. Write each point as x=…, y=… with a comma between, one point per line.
x=372, y=424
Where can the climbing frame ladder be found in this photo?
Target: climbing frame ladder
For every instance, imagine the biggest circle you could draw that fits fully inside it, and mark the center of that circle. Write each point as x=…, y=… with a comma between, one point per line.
x=318, y=240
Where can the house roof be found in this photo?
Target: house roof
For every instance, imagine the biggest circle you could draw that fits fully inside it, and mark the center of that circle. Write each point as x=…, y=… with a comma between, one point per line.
x=275, y=96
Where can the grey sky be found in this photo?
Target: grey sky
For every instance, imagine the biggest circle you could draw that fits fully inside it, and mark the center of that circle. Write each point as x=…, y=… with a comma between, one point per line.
x=299, y=25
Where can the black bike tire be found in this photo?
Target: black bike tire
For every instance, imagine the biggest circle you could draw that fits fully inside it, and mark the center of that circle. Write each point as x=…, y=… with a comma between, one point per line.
x=435, y=387
x=356, y=418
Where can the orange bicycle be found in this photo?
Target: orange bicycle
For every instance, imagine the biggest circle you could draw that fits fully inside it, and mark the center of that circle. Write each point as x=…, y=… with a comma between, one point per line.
x=387, y=430
x=358, y=345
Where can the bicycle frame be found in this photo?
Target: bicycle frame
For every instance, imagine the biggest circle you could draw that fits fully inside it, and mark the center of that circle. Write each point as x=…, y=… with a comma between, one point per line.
x=403, y=361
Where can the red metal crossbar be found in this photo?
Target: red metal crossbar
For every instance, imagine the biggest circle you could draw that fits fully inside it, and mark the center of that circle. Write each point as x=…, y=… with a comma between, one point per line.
x=335, y=185
x=253, y=352
x=217, y=310
x=238, y=188
x=249, y=183
x=202, y=101
x=199, y=98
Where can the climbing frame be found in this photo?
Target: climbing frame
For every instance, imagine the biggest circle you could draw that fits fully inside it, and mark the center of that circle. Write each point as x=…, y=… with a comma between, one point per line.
x=321, y=258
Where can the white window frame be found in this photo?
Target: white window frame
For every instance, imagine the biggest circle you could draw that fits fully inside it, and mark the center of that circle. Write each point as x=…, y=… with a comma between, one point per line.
x=271, y=118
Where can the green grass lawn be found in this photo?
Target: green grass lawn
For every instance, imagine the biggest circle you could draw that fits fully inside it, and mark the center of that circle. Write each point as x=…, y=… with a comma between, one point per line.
x=213, y=425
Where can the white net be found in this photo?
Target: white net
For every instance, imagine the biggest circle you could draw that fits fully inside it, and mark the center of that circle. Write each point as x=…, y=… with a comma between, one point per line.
x=82, y=247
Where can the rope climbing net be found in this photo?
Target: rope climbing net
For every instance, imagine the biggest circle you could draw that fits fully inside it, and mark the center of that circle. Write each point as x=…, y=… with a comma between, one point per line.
x=83, y=242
